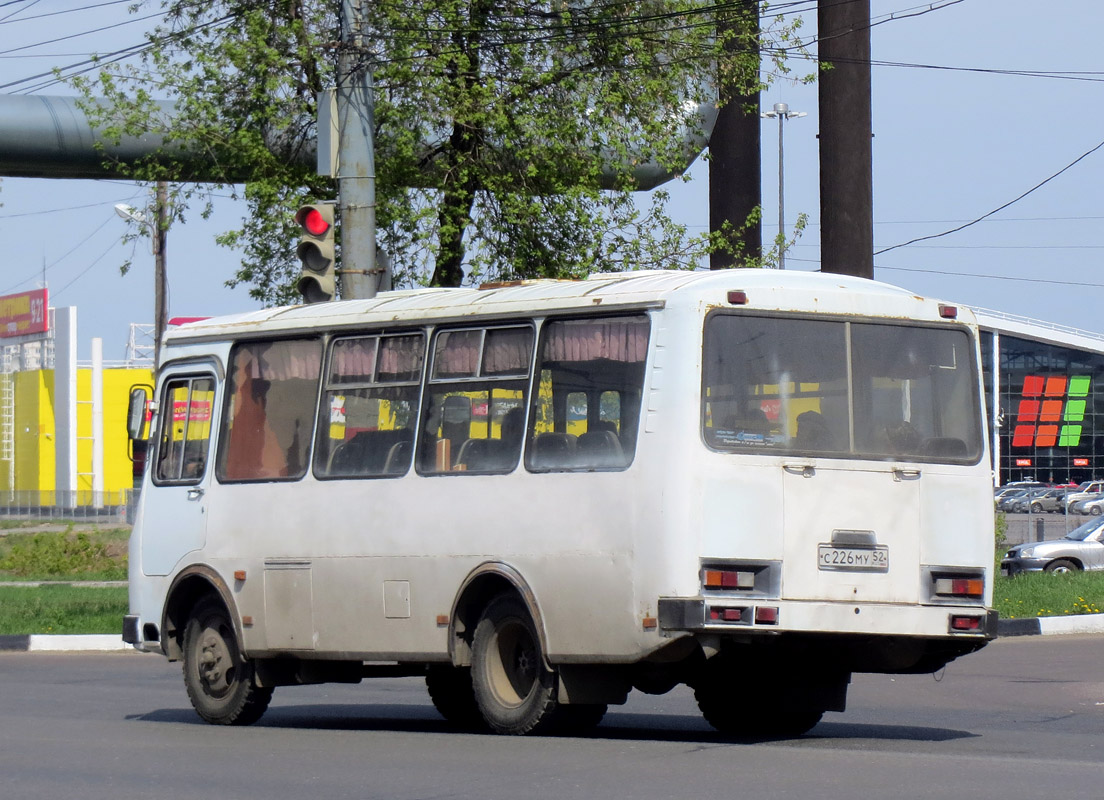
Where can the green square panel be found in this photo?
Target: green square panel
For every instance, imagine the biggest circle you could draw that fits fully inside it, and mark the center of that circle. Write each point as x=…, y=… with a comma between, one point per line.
x=1075, y=411
x=1079, y=386
x=1070, y=436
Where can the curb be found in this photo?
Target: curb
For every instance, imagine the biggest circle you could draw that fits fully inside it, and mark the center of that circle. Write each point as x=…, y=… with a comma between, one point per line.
x=1051, y=626
x=96, y=642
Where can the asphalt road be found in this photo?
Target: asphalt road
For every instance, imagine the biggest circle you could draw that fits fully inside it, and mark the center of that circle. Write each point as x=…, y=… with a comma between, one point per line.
x=1021, y=719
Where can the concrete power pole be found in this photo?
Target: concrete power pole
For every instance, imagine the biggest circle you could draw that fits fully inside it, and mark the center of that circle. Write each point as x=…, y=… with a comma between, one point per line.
x=356, y=171
x=846, y=171
x=735, y=166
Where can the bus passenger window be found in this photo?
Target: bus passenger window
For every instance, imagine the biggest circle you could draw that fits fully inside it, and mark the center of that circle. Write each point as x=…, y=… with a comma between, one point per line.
x=369, y=404
x=473, y=416
x=269, y=418
x=185, y=430
x=587, y=402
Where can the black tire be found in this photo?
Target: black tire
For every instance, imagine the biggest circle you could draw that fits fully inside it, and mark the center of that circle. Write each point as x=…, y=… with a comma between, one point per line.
x=450, y=689
x=1062, y=565
x=219, y=681
x=1036, y=508
x=1095, y=511
x=737, y=718
x=515, y=692
x=577, y=718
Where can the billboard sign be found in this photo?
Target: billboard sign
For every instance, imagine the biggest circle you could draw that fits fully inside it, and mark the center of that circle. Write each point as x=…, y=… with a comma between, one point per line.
x=24, y=314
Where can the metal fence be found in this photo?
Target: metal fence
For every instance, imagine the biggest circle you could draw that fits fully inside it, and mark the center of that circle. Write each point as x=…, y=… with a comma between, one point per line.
x=114, y=506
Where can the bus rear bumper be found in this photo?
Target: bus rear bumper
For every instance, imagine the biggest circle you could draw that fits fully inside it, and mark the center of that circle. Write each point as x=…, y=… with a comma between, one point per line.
x=871, y=619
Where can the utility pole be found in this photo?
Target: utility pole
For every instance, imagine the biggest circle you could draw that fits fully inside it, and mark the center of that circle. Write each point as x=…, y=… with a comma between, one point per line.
x=356, y=170
x=846, y=169
x=735, y=164
x=160, y=239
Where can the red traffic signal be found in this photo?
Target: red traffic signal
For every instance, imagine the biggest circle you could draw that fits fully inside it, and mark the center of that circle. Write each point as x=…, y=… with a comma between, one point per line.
x=313, y=220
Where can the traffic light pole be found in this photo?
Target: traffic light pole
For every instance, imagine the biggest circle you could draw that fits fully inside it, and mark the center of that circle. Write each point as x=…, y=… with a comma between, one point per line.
x=356, y=170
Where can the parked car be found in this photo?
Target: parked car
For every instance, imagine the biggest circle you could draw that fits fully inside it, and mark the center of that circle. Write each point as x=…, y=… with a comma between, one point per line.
x=1082, y=492
x=1023, y=503
x=1007, y=501
x=1081, y=506
x=1050, y=501
x=1080, y=549
x=1093, y=507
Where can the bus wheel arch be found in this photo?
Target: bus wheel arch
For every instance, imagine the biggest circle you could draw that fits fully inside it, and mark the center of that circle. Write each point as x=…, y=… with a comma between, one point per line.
x=480, y=588
x=188, y=589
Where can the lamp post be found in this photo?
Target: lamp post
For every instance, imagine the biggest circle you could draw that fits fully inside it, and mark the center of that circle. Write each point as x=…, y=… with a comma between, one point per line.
x=158, y=237
x=782, y=112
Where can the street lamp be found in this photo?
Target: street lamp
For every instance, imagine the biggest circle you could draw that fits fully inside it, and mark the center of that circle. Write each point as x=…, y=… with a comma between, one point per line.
x=158, y=229
x=782, y=112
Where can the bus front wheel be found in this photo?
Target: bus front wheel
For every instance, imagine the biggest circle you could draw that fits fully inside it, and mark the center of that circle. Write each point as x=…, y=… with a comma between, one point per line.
x=220, y=682
x=515, y=692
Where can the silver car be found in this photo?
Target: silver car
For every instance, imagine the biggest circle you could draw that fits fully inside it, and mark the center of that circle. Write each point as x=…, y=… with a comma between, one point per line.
x=1080, y=549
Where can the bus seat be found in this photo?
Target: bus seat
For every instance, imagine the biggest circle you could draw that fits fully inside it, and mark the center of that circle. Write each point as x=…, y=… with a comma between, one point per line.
x=946, y=446
x=367, y=452
x=599, y=448
x=483, y=455
x=398, y=458
x=554, y=449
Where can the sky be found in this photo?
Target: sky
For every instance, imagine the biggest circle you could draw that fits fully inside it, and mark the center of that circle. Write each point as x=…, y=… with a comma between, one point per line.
x=975, y=103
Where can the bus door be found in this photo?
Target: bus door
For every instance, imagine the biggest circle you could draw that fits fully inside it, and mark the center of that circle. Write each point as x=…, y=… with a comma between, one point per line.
x=174, y=510
x=850, y=534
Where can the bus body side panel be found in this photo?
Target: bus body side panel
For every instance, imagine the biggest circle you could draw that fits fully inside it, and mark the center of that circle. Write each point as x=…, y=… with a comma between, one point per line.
x=368, y=567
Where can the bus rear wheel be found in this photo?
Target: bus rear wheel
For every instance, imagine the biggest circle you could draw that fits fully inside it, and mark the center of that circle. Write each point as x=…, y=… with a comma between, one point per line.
x=450, y=689
x=515, y=692
x=220, y=682
x=749, y=721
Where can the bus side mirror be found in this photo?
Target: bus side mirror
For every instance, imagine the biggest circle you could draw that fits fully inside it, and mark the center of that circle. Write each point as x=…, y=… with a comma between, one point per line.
x=136, y=412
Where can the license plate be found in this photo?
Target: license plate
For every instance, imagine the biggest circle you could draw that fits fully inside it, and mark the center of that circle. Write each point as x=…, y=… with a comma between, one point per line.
x=857, y=559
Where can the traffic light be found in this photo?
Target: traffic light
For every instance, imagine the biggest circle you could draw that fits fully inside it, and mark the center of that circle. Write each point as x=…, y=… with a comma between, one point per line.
x=316, y=251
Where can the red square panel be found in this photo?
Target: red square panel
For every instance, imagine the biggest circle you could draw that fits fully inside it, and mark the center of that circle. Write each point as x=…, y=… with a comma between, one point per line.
x=1023, y=436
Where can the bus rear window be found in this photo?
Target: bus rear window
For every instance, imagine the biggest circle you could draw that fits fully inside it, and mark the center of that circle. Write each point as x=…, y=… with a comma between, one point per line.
x=839, y=388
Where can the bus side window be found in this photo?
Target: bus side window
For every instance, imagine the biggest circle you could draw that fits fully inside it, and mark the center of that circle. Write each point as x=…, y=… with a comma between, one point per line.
x=473, y=414
x=586, y=408
x=268, y=424
x=185, y=430
x=369, y=404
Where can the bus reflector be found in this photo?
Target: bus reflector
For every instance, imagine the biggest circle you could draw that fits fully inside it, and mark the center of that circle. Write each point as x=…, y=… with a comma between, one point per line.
x=948, y=312
x=960, y=587
x=737, y=298
x=766, y=615
x=726, y=614
x=965, y=623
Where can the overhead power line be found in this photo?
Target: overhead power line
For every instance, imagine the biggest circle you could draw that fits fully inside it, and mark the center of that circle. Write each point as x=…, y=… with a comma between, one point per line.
x=1039, y=185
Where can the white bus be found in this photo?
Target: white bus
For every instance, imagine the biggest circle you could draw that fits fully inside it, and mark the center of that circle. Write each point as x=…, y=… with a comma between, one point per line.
x=543, y=495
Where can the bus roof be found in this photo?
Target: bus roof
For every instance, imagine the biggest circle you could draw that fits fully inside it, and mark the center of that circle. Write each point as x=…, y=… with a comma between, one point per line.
x=764, y=289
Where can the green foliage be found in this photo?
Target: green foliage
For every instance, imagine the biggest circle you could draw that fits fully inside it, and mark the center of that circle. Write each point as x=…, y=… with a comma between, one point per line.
x=1000, y=535
x=496, y=125
x=1042, y=594
x=61, y=609
x=50, y=555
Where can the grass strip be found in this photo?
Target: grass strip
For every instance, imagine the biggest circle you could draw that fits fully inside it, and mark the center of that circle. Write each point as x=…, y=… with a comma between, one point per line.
x=1041, y=594
x=61, y=609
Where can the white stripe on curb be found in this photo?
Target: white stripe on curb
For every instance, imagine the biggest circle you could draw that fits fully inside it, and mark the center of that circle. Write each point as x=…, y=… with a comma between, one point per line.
x=1083, y=623
x=95, y=641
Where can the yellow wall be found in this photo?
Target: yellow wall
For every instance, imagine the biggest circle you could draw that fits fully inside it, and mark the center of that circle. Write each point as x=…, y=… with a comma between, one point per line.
x=34, y=431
